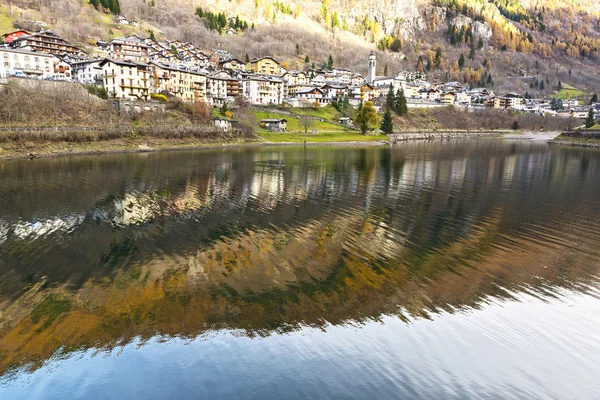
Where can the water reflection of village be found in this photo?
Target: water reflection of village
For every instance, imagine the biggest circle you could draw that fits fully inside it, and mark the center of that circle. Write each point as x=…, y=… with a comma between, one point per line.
x=95, y=252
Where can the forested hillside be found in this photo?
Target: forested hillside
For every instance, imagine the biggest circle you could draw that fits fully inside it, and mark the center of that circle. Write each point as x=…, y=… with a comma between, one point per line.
x=532, y=45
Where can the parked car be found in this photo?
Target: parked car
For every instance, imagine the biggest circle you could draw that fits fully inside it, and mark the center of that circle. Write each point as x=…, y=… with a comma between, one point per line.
x=18, y=74
x=58, y=77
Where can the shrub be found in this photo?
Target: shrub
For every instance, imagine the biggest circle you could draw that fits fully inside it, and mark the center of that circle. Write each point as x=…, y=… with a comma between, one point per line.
x=159, y=97
x=99, y=91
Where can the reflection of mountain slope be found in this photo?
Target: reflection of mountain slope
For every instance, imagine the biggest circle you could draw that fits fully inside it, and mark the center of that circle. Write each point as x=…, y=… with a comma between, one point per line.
x=264, y=281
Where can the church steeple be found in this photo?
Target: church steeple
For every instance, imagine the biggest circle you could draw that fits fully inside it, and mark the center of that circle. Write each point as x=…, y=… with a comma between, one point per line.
x=372, y=71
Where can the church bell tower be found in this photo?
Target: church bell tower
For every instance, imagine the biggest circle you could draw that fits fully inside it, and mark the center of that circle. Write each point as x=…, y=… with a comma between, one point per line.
x=372, y=68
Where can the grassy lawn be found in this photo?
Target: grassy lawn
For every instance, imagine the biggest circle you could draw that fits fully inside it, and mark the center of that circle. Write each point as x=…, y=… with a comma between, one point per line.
x=320, y=138
x=327, y=112
x=569, y=92
x=293, y=124
x=6, y=24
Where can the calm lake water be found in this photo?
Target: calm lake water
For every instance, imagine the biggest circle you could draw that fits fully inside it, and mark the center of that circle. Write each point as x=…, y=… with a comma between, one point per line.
x=455, y=269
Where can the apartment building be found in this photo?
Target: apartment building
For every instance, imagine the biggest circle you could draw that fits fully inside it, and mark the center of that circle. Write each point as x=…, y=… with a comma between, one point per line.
x=263, y=90
x=125, y=79
x=46, y=42
x=222, y=88
x=188, y=86
x=265, y=66
x=27, y=62
x=128, y=48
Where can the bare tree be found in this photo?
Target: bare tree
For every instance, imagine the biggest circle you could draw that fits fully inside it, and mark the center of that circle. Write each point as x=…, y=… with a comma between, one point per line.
x=306, y=123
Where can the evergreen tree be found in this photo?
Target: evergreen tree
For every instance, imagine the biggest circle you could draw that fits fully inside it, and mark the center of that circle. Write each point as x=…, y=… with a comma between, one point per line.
x=152, y=37
x=222, y=20
x=480, y=44
x=330, y=63
x=590, y=121
x=297, y=49
x=385, y=70
x=472, y=51
x=420, y=64
x=345, y=102
x=390, y=101
x=401, y=107
x=559, y=85
x=461, y=61
x=594, y=99
x=387, y=125
x=542, y=85
x=247, y=58
x=306, y=60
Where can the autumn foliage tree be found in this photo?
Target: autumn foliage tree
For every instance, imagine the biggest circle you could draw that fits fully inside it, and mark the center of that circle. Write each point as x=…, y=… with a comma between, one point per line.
x=367, y=118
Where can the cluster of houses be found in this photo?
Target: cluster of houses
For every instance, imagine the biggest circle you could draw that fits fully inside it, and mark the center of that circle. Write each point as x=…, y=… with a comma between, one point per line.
x=133, y=68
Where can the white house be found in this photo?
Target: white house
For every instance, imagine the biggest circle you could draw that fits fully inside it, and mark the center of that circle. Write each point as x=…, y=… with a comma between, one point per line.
x=87, y=72
x=462, y=97
x=312, y=97
x=397, y=82
x=222, y=124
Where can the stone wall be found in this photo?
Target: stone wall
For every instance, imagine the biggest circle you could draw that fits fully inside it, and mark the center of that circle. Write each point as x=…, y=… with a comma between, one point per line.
x=137, y=107
x=446, y=134
x=583, y=134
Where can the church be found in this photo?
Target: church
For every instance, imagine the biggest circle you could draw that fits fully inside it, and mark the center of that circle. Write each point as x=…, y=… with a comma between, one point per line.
x=383, y=82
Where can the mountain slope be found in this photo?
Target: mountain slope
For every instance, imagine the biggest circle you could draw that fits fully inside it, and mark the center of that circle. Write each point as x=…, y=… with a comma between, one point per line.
x=505, y=44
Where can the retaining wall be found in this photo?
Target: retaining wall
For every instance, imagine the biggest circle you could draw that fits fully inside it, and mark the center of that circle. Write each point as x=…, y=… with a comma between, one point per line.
x=449, y=134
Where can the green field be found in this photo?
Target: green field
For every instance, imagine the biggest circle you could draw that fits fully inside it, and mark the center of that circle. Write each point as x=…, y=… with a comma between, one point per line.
x=293, y=124
x=569, y=92
x=320, y=138
x=6, y=24
x=327, y=112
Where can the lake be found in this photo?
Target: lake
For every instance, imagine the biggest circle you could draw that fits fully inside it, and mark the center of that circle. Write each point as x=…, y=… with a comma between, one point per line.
x=438, y=269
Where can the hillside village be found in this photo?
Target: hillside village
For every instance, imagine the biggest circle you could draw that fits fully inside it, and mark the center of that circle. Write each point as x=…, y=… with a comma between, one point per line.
x=139, y=70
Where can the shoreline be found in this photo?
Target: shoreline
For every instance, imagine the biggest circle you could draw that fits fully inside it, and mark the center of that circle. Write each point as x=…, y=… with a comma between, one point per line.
x=31, y=150
x=33, y=153
x=562, y=142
